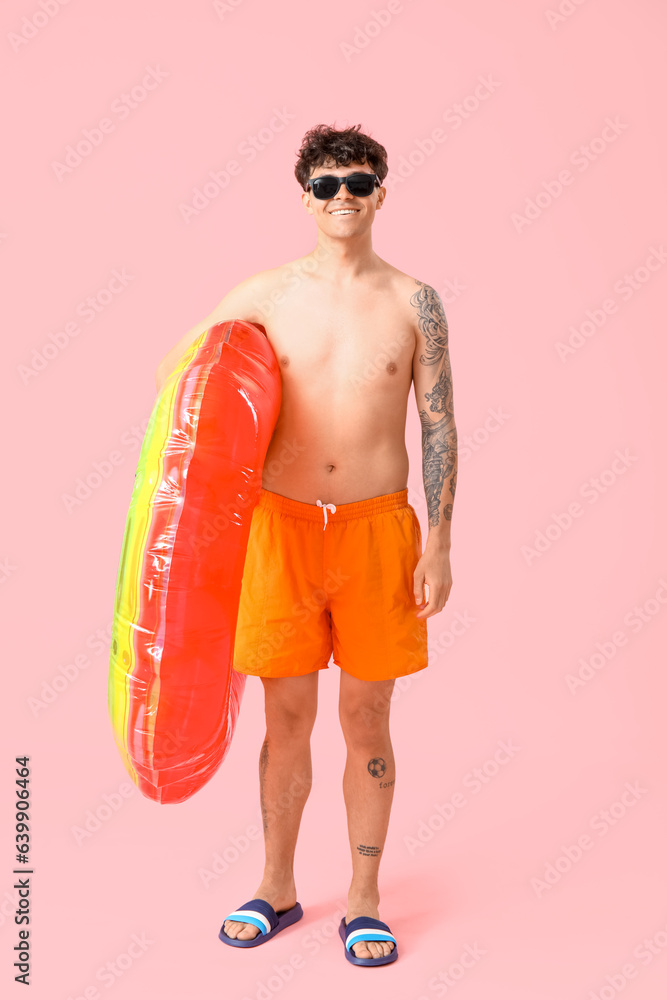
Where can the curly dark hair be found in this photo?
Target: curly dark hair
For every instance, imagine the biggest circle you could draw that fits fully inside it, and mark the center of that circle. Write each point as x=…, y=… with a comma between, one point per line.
x=344, y=146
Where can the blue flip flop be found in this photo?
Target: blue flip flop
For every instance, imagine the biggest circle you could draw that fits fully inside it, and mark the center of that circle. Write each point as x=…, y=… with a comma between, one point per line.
x=262, y=915
x=366, y=929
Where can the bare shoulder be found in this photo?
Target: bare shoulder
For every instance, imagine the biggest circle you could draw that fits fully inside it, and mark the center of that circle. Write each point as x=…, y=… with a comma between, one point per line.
x=422, y=303
x=244, y=301
x=247, y=299
x=254, y=298
x=428, y=311
x=428, y=320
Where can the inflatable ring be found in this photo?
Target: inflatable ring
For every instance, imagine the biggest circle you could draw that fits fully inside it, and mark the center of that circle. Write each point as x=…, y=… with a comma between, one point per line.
x=174, y=696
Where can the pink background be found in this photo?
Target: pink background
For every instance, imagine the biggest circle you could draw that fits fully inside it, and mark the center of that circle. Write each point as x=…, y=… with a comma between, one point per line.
x=514, y=627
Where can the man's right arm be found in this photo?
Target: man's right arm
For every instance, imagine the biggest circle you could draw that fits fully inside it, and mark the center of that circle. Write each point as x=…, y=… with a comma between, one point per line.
x=244, y=301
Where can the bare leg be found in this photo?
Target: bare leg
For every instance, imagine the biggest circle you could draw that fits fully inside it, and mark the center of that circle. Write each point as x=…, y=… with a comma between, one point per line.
x=285, y=777
x=368, y=788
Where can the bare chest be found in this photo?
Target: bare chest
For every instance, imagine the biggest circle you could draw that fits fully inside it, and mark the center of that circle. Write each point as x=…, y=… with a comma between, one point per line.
x=342, y=350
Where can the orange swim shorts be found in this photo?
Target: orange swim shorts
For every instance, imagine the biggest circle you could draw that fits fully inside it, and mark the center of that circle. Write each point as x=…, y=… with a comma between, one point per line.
x=323, y=578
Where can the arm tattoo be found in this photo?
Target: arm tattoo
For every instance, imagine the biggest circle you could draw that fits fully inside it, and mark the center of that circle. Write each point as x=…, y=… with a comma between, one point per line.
x=439, y=441
x=438, y=462
x=432, y=322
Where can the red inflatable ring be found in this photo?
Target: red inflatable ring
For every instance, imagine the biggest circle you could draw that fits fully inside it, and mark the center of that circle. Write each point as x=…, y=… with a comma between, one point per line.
x=174, y=697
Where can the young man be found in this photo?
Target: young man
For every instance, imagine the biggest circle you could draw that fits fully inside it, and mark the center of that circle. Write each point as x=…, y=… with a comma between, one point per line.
x=335, y=557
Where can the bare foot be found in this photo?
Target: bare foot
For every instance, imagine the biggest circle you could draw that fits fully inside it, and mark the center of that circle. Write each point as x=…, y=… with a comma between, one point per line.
x=366, y=906
x=280, y=897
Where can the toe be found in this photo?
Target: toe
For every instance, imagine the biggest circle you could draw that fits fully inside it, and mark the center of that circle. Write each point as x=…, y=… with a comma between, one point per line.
x=248, y=932
x=360, y=949
x=236, y=929
x=372, y=949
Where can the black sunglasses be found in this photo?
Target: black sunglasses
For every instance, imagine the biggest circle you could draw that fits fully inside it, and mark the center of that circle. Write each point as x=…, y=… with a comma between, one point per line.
x=328, y=186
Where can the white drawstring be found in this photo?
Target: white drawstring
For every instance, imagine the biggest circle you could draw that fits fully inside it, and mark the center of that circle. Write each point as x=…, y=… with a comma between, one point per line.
x=324, y=507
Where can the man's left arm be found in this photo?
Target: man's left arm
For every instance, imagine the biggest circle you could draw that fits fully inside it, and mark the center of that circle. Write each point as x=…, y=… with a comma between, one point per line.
x=432, y=376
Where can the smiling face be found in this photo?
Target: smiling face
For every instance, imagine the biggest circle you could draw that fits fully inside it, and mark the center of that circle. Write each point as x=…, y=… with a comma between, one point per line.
x=345, y=214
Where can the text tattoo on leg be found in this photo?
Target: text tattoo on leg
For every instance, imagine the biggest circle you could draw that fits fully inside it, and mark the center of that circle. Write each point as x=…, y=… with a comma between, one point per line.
x=368, y=851
x=439, y=440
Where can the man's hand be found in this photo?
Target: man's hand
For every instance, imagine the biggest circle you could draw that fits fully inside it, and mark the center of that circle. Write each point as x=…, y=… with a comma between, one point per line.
x=434, y=570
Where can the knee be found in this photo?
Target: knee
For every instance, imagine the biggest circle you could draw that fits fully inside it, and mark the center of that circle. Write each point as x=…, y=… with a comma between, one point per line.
x=290, y=706
x=365, y=722
x=290, y=721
